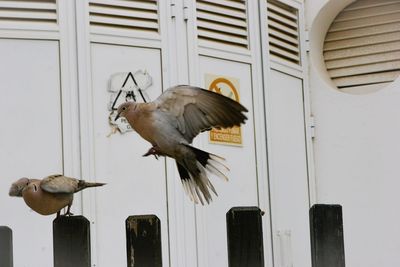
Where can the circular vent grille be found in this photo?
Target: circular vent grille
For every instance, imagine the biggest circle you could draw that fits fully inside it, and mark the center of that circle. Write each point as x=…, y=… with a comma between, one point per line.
x=362, y=46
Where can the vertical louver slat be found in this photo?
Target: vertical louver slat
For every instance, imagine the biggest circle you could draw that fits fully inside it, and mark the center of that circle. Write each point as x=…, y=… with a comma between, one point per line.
x=362, y=46
x=223, y=22
x=29, y=12
x=283, y=32
x=107, y=16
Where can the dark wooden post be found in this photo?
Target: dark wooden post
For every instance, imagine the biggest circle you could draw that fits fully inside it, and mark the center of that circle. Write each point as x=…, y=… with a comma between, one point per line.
x=245, y=237
x=6, y=247
x=71, y=241
x=143, y=241
x=327, y=245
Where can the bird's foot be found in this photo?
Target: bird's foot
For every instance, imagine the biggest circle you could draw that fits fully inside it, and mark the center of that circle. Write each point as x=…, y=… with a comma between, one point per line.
x=152, y=151
x=68, y=213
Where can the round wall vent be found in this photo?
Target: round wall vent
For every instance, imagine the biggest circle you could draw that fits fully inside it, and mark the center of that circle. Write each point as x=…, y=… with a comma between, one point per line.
x=362, y=46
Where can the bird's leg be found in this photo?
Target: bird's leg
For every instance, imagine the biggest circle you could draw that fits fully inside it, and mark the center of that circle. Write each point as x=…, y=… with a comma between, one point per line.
x=58, y=214
x=68, y=213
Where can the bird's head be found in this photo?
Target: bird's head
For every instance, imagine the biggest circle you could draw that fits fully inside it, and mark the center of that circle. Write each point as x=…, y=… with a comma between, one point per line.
x=123, y=109
x=18, y=186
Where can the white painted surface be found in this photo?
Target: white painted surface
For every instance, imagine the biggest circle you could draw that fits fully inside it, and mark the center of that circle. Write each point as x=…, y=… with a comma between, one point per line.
x=135, y=185
x=357, y=150
x=30, y=140
x=241, y=190
x=288, y=170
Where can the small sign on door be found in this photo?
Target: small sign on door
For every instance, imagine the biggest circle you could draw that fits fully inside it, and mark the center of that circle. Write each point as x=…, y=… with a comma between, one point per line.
x=229, y=87
x=126, y=86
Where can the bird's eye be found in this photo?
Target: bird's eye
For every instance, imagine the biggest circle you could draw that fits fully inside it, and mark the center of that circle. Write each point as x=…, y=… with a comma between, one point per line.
x=124, y=108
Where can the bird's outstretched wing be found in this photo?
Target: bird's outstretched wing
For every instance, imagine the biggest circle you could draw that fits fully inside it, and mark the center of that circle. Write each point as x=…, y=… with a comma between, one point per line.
x=195, y=110
x=58, y=183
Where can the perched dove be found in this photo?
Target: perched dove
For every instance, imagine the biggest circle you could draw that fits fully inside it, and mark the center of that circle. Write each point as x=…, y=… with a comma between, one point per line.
x=51, y=194
x=171, y=122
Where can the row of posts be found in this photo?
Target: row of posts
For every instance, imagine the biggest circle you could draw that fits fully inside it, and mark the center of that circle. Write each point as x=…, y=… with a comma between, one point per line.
x=71, y=239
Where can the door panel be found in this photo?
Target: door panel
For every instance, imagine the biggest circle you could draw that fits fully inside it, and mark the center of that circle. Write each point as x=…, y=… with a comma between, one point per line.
x=136, y=185
x=241, y=190
x=288, y=170
x=30, y=139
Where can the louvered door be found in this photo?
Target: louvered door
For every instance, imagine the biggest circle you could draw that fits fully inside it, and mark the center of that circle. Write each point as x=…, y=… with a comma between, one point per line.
x=361, y=48
x=31, y=88
x=287, y=113
x=224, y=51
x=125, y=36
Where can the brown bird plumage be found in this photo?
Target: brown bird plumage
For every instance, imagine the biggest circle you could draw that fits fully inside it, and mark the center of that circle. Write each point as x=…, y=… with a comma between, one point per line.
x=51, y=194
x=172, y=121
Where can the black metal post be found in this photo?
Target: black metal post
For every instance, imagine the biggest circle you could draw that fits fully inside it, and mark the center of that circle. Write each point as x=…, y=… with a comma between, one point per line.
x=71, y=239
x=6, y=247
x=143, y=241
x=327, y=244
x=245, y=237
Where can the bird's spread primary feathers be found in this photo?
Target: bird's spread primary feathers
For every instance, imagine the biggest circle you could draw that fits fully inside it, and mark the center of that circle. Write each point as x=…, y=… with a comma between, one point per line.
x=171, y=122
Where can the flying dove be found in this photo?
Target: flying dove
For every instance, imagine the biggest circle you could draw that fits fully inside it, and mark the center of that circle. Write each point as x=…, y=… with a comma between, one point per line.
x=51, y=194
x=171, y=122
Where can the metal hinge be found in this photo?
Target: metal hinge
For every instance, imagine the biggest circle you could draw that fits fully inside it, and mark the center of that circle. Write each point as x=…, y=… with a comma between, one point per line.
x=173, y=9
x=307, y=41
x=312, y=126
x=185, y=10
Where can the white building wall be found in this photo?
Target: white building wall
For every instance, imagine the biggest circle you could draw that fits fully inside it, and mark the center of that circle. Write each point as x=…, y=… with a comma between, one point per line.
x=357, y=151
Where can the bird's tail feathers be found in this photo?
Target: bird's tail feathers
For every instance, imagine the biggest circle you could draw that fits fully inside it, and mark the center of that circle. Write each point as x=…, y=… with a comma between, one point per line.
x=213, y=163
x=198, y=186
x=82, y=184
x=194, y=175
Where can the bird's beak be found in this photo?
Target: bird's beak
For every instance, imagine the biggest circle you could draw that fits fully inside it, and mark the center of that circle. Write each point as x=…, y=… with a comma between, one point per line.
x=117, y=117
